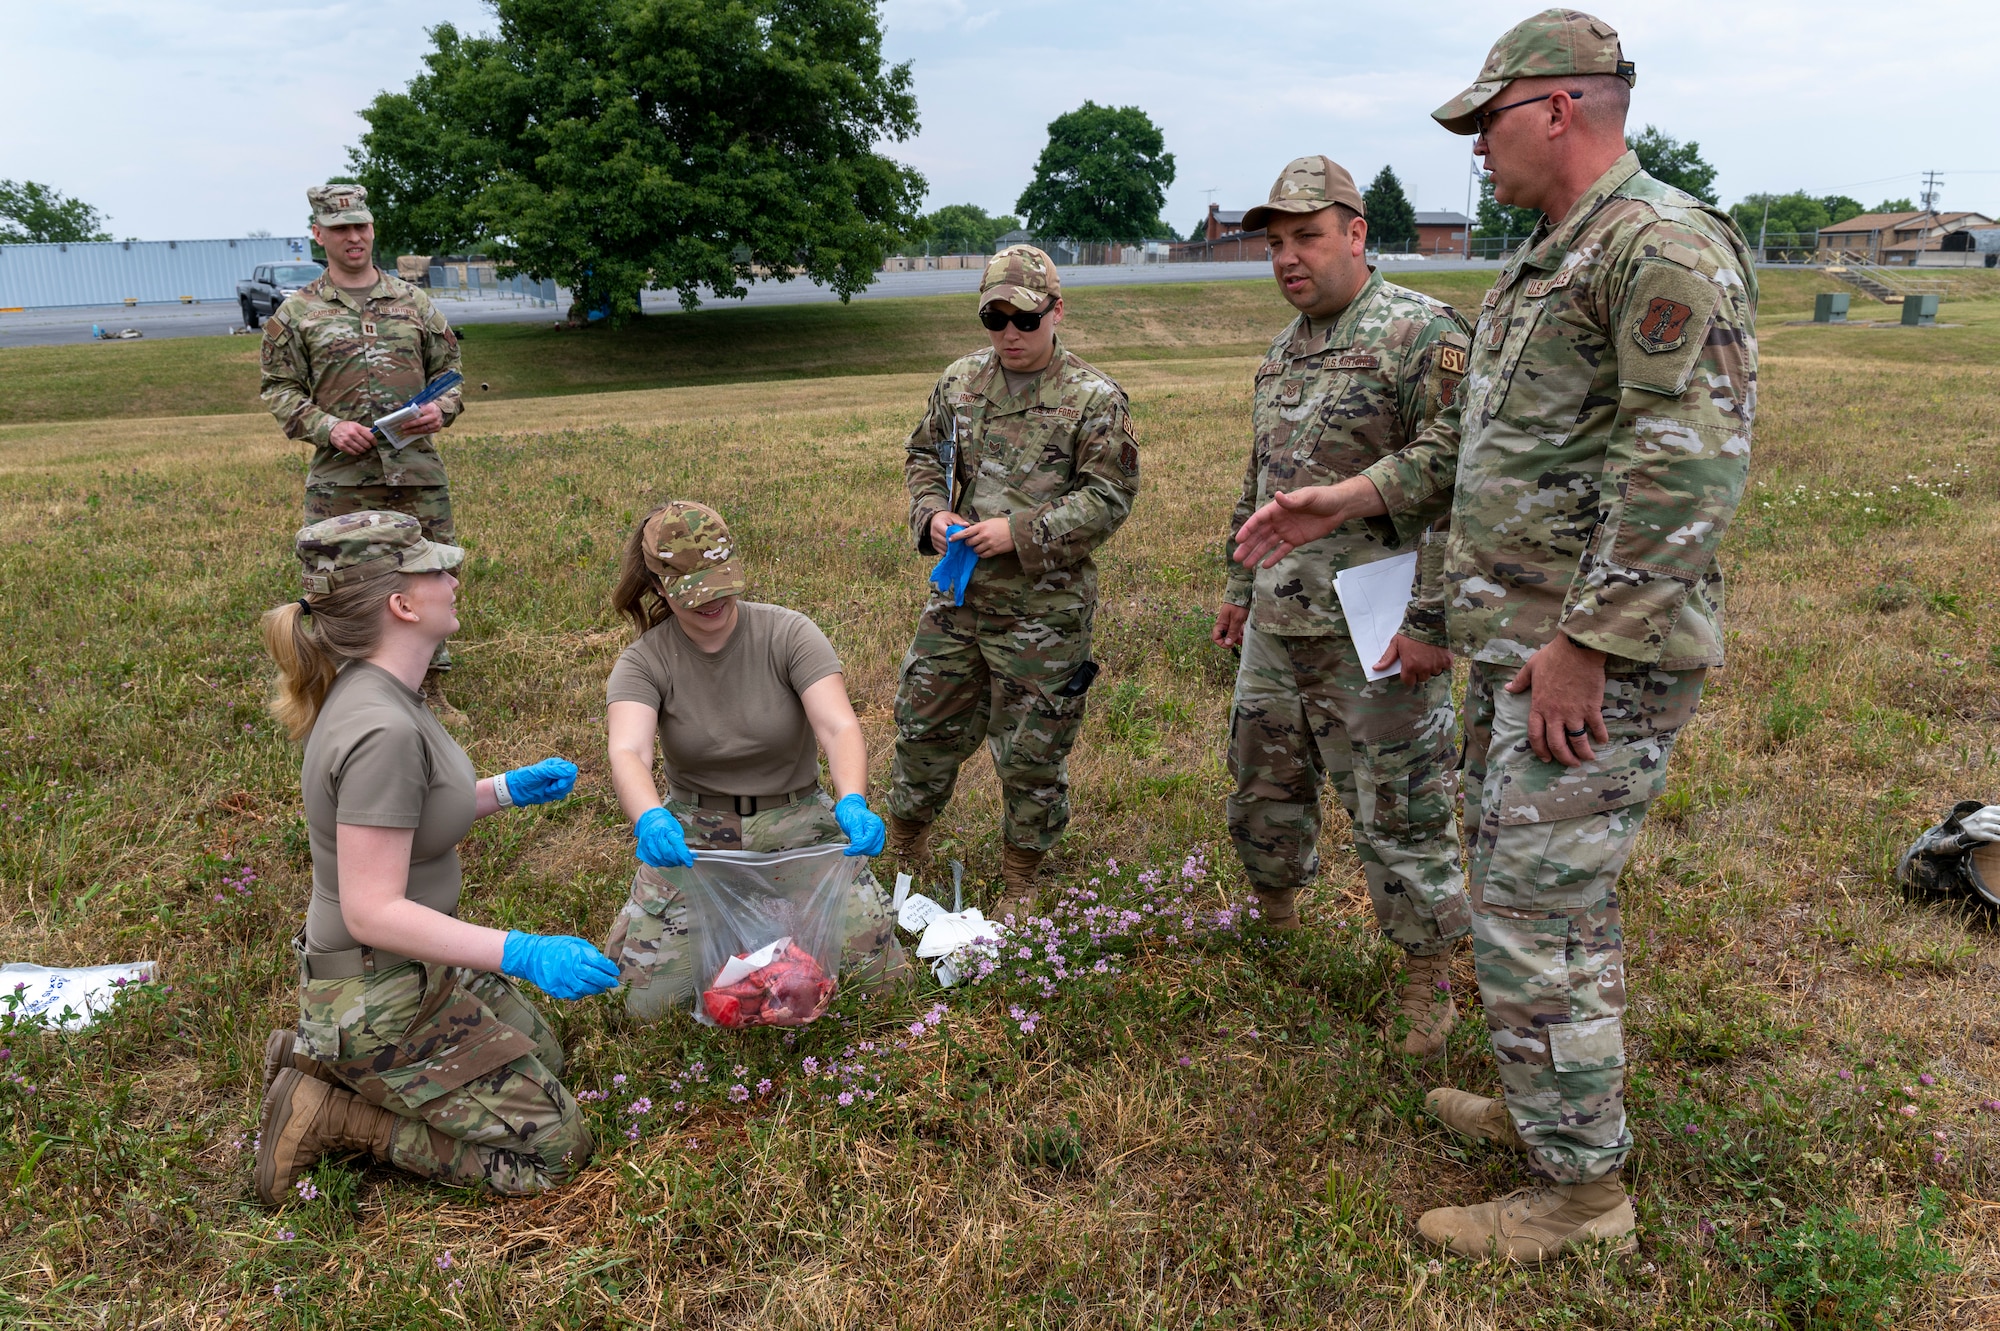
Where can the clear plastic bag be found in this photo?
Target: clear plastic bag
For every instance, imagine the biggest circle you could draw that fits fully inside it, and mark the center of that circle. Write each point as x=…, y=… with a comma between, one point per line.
x=744, y=902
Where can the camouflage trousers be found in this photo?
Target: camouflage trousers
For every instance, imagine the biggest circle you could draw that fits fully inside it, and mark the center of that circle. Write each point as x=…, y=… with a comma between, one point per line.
x=1547, y=942
x=464, y=1061
x=652, y=940
x=971, y=676
x=1305, y=713
x=428, y=504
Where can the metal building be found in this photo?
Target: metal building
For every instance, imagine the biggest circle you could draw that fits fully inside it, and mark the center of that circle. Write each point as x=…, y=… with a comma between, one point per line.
x=135, y=272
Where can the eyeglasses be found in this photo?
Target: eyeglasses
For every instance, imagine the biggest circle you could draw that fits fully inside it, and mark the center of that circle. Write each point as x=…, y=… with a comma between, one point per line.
x=1025, y=320
x=1482, y=119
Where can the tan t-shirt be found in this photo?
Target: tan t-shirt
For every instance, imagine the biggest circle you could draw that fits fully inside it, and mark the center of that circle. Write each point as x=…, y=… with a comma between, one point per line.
x=731, y=723
x=378, y=758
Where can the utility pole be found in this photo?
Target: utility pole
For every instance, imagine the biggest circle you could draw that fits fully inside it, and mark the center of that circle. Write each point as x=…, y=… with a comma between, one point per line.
x=1763, y=229
x=1932, y=180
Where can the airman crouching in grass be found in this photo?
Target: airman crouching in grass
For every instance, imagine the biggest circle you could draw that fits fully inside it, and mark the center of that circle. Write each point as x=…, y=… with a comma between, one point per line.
x=1034, y=448
x=414, y=1043
x=352, y=346
x=1602, y=445
x=741, y=697
x=1360, y=373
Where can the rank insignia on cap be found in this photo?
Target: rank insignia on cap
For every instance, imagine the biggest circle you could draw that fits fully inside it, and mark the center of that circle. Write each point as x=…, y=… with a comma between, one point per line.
x=1663, y=326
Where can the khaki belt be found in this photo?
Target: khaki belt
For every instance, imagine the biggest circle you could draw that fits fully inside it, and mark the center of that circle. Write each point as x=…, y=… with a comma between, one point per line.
x=345, y=964
x=743, y=806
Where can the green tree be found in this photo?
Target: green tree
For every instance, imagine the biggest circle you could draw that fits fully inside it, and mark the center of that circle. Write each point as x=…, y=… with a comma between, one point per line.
x=1497, y=220
x=35, y=214
x=960, y=228
x=1392, y=221
x=1102, y=178
x=1671, y=162
x=616, y=144
x=1839, y=207
x=1791, y=214
x=1894, y=206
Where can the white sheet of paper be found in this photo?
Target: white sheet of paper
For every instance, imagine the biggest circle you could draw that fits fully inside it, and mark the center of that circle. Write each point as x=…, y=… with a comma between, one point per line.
x=736, y=968
x=917, y=911
x=948, y=933
x=387, y=425
x=83, y=990
x=902, y=892
x=1374, y=597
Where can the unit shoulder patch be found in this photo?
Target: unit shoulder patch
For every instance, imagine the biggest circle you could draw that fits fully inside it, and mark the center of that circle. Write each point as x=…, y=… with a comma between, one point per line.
x=1668, y=313
x=1452, y=360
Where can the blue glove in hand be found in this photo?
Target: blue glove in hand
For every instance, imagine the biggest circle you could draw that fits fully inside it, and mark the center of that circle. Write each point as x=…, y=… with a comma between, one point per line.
x=864, y=827
x=950, y=574
x=560, y=966
x=662, y=844
x=549, y=779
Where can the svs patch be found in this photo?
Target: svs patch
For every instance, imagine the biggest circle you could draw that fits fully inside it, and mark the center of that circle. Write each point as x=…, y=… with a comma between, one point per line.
x=1451, y=360
x=1663, y=326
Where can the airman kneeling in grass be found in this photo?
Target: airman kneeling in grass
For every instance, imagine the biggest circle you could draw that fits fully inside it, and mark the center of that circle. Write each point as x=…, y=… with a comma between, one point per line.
x=741, y=698
x=1361, y=373
x=414, y=1043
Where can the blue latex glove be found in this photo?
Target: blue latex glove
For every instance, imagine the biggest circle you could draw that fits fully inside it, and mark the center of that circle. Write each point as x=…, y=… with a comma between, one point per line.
x=549, y=779
x=864, y=827
x=561, y=966
x=950, y=574
x=662, y=844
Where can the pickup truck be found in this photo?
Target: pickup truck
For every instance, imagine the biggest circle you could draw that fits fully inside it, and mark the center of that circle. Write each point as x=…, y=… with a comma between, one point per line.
x=268, y=286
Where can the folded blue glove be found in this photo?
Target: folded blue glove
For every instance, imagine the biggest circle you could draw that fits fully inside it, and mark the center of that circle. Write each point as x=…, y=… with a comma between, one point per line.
x=561, y=966
x=864, y=827
x=662, y=844
x=950, y=574
x=549, y=779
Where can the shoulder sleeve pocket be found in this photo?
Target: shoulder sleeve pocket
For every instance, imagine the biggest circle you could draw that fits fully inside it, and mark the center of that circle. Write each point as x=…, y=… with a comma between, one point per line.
x=1666, y=324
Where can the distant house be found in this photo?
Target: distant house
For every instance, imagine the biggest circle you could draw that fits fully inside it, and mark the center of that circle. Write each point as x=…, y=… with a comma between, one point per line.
x=1443, y=233
x=1908, y=240
x=1224, y=240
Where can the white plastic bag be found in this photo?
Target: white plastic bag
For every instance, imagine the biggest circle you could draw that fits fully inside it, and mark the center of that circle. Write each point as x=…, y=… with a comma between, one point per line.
x=82, y=991
x=943, y=933
x=753, y=913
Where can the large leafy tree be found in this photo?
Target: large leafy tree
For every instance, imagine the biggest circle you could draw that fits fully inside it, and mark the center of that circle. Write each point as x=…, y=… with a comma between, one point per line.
x=961, y=228
x=35, y=214
x=1671, y=162
x=1497, y=220
x=1791, y=214
x=618, y=144
x=1102, y=178
x=1392, y=221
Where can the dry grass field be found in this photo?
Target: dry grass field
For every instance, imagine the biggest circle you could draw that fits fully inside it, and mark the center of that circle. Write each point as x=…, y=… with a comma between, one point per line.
x=1205, y=1134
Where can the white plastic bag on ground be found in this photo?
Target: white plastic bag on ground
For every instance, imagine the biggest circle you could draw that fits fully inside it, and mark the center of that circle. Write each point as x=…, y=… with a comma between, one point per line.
x=781, y=913
x=82, y=991
x=943, y=932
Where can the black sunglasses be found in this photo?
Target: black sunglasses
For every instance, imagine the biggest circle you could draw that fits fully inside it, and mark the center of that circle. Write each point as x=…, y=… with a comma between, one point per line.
x=1025, y=320
x=1481, y=119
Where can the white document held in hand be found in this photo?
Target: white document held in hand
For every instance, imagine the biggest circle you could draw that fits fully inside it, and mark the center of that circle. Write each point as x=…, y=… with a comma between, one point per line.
x=1374, y=597
x=390, y=425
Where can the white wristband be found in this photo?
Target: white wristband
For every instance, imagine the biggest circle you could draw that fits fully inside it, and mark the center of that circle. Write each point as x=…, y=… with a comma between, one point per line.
x=501, y=793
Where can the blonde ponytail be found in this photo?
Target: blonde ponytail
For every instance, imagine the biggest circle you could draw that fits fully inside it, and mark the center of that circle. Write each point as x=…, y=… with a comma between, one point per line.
x=345, y=625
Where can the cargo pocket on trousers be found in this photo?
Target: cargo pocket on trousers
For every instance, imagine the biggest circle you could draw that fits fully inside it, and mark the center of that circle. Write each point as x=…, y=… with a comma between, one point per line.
x=1406, y=793
x=1588, y=1046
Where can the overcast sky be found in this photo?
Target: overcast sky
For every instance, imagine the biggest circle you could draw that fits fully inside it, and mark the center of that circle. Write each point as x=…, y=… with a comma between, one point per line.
x=207, y=118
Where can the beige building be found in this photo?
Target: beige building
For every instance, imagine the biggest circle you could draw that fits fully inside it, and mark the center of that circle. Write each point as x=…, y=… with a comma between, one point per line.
x=1907, y=240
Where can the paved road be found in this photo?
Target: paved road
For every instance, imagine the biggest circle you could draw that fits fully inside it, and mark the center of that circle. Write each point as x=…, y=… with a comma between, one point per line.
x=217, y=318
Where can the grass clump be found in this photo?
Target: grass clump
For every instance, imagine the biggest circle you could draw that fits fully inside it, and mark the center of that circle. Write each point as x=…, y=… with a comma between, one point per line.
x=1830, y=1270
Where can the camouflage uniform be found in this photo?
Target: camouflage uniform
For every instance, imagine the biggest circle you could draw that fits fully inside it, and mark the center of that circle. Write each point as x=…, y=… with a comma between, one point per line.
x=464, y=1061
x=1059, y=462
x=652, y=939
x=1605, y=423
x=1330, y=399
x=326, y=359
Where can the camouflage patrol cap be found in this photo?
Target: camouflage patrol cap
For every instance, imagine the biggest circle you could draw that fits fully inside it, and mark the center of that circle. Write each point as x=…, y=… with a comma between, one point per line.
x=358, y=547
x=688, y=548
x=1306, y=185
x=1022, y=276
x=1552, y=43
x=339, y=205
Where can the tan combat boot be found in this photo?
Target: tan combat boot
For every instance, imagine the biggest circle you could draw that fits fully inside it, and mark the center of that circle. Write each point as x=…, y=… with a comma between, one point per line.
x=303, y=1120
x=1475, y=1116
x=440, y=705
x=1017, y=874
x=281, y=1052
x=1424, y=999
x=1538, y=1223
x=910, y=845
x=1278, y=910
